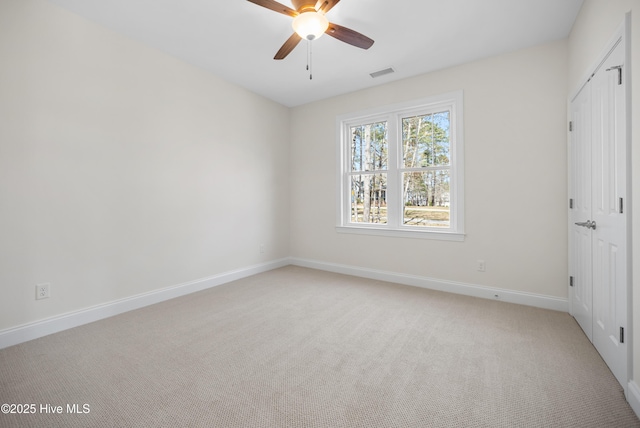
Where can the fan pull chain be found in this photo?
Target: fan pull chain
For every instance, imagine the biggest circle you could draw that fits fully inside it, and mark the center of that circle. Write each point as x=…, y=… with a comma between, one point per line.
x=309, y=63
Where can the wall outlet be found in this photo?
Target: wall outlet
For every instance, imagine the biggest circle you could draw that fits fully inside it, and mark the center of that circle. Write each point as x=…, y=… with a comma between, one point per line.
x=43, y=290
x=261, y=248
x=482, y=267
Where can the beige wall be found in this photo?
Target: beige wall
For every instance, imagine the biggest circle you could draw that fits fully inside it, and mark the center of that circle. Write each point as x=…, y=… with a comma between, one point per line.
x=515, y=177
x=123, y=170
x=595, y=26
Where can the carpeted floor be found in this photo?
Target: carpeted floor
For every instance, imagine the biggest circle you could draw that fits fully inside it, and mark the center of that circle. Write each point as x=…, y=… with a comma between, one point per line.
x=296, y=347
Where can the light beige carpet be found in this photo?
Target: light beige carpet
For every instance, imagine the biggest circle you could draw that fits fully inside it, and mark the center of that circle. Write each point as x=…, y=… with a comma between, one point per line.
x=296, y=347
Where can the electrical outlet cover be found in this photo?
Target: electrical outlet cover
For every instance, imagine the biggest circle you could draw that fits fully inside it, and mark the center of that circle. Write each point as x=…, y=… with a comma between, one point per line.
x=42, y=291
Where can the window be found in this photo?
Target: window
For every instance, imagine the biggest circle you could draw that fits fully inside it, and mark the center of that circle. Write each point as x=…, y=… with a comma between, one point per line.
x=401, y=169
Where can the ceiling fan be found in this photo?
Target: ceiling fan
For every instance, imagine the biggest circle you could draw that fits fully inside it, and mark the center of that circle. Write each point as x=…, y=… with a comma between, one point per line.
x=310, y=23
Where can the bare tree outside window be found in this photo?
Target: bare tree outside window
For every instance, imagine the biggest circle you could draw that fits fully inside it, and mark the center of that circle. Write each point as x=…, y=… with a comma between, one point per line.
x=369, y=155
x=401, y=169
x=425, y=172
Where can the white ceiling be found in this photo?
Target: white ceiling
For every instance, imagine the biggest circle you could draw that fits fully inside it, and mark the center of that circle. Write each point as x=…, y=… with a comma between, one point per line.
x=236, y=39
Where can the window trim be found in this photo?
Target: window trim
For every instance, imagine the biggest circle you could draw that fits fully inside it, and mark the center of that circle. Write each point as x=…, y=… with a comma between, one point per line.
x=393, y=114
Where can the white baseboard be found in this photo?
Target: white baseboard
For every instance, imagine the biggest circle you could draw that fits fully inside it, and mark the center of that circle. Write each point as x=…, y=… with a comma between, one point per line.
x=529, y=299
x=633, y=397
x=34, y=330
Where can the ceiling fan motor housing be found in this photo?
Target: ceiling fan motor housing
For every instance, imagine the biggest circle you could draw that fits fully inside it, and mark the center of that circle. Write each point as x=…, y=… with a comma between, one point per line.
x=302, y=5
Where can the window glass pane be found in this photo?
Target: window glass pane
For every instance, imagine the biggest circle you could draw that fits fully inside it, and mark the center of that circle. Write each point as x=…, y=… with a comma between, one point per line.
x=369, y=150
x=426, y=140
x=369, y=198
x=426, y=198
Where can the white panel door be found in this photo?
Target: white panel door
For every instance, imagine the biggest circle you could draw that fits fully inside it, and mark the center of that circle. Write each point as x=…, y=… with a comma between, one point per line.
x=580, y=193
x=598, y=216
x=609, y=189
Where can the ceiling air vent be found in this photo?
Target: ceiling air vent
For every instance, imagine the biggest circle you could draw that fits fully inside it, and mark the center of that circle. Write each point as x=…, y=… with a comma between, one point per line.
x=382, y=72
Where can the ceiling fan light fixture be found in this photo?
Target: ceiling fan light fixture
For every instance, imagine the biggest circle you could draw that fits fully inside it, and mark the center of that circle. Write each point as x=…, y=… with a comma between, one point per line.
x=310, y=25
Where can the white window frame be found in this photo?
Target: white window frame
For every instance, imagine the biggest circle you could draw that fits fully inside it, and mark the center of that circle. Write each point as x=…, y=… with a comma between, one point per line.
x=393, y=114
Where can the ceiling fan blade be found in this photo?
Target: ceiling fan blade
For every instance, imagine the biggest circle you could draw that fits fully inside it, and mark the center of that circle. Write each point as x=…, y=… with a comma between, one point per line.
x=349, y=36
x=274, y=5
x=288, y=46
x=325, y=6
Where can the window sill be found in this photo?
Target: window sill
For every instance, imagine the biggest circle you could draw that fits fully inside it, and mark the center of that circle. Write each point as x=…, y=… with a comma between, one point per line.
x=417, y=234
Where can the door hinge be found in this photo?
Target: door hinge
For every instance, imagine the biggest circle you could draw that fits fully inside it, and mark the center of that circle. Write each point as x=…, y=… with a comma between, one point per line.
x=570, y=281
x=621, y=334
x=621, y=206
x=570, y=126
x=619, y=68
x=571, y=203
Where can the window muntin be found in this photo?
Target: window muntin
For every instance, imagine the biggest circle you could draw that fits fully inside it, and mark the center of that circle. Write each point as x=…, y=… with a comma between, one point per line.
x=401, y=170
